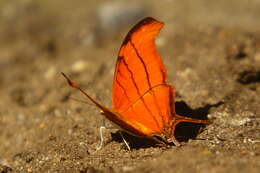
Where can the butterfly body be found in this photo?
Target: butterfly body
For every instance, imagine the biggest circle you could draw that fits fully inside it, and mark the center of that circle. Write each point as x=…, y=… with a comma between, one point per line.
x=143, y=102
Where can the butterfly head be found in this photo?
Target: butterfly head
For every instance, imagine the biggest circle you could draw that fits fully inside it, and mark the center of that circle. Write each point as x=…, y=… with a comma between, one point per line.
x=165, y=136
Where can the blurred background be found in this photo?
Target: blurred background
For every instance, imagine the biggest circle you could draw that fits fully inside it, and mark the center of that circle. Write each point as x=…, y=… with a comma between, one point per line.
x=37, y=32
x=217, y=42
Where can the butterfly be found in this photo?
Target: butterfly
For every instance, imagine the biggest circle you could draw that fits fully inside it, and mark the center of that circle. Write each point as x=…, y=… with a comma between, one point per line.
x=143, y=101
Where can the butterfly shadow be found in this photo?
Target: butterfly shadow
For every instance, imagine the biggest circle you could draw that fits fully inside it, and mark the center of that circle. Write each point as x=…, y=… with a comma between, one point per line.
x=184, y=131
x=133, y=141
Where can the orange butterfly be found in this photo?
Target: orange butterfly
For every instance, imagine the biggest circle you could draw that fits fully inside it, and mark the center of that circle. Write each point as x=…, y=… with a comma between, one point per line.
x=143, y=103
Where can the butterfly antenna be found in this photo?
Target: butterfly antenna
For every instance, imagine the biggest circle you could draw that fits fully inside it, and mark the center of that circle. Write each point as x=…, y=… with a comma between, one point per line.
x=75, y=85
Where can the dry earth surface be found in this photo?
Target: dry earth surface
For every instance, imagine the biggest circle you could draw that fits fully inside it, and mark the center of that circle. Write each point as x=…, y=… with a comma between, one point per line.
x=211, y=50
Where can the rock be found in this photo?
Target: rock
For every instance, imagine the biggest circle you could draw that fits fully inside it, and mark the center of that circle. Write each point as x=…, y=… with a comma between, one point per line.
x=112, y=17
x=5, y=169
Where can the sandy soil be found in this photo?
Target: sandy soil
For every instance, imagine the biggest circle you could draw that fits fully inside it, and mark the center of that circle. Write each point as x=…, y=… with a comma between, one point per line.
x=211, y=50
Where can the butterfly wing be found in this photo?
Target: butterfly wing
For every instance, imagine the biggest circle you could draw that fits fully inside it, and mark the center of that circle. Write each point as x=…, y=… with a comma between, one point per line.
x=142, y=101
x=140, y=92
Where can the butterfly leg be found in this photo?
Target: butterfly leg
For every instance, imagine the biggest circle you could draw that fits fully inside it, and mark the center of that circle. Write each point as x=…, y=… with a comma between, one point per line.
x=101, y=129
x=127, y=145
x=180, y=119
x=102, y=139
x=175, y=141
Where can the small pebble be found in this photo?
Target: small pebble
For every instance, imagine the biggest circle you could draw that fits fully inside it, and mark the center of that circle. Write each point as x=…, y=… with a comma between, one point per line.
x=114, y=15
x=79, y=66
x=257, y=57
x=50, y=72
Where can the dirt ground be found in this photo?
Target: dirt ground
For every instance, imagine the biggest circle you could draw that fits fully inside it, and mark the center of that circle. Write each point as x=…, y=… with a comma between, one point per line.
x=212, y=53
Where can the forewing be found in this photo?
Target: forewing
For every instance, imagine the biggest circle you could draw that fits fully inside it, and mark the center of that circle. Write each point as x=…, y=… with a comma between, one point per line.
x=139, y=67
